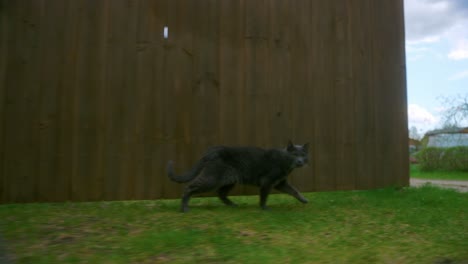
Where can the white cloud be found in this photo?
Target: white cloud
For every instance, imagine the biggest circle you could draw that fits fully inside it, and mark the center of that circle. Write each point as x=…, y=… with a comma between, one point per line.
x=426, y=20
x=421, y=118
x=459, y=75
x=415, y=49
x=430, y=21
x=417, y=52
x=460, y=51
x=423, y=40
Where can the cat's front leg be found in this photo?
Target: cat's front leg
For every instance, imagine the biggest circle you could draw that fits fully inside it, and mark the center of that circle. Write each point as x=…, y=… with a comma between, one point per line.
x=264, y=192
x=285, y=187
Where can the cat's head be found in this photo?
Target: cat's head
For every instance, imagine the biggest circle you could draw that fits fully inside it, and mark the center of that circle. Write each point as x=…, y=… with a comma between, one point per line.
x=299, y=152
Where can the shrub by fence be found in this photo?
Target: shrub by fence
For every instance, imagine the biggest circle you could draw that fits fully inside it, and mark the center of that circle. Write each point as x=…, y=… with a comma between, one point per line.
x=455, y=158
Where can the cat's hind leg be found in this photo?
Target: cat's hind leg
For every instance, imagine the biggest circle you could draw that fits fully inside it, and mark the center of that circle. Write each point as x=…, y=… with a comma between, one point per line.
x=223, y=192
x=201, y=184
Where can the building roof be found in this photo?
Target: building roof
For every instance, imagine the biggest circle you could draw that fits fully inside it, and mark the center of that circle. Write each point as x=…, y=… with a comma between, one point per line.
x=454, y=130
x=414, y=142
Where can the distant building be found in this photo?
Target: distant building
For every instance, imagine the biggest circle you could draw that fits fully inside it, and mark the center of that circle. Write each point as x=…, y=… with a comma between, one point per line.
x=446, y=138
x=414, y=145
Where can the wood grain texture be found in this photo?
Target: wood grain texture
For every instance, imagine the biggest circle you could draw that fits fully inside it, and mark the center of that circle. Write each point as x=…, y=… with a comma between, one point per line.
x=4, y=28
x=94, y=101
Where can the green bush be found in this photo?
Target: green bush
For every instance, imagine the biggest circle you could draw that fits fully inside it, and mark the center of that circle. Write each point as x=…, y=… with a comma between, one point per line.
x=429, y=158
x=455, y=159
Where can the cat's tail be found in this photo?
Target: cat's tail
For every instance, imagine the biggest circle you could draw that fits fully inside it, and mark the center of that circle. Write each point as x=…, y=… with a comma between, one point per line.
x=187, y=176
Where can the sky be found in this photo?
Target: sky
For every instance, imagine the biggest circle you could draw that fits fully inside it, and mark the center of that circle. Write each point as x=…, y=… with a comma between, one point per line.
x=436, y=58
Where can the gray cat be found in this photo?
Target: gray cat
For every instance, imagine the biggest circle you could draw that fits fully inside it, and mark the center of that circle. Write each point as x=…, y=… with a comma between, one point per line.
x=222, y=167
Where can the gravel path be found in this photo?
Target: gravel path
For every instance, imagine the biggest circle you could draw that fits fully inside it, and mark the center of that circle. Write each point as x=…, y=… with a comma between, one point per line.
x=461, y=186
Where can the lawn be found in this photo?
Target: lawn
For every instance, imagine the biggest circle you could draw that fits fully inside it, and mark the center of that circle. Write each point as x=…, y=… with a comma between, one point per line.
x=416, y=172
x=411, y=225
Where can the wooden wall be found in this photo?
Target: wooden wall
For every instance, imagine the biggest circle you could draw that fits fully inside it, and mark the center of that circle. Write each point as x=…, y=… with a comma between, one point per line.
x=94, y=100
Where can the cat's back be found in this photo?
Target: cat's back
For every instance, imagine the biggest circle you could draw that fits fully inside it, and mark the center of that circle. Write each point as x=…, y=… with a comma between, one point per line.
x=238, y=156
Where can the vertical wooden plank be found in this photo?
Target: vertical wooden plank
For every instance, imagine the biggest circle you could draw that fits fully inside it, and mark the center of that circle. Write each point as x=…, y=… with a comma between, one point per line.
x=309, y=66
x=231, y=75
x=129, y=111
x=67, y=94
x=158, y=152
x=264, y=109
x=206, y=71
x=180, y=63
x=390, y=102
x=298, y=71
x=308, y=29
x=51, y=43
x=21, y=93
x=324, y=100
x=251, y=37
x=280, y=46
x=363, y=101
x=113, y=91
x=4, y=25
x=256, y=72
x=385, y=96
x=345, y=91
x=383, y=99
x=171, y=95
x=143, y=126
x=87, y=183
x=171, y=136
x=315, y=72
x=176, y=57
x=300, y=126
x=378, y=99
x=102, y=107
x=119, y=52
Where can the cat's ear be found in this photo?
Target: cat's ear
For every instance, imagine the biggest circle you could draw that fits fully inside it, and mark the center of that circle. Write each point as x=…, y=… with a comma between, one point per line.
x=305, y=147
x=290, y=146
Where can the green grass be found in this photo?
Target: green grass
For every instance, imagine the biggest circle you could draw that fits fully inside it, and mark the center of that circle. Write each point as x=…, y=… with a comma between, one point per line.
x=416, y=172
x=412, y=225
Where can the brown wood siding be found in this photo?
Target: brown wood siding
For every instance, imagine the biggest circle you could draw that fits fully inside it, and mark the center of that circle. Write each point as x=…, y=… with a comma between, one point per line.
x=94, y=100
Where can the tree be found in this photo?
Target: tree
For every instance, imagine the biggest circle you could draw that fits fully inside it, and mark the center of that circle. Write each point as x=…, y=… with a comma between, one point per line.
x=414, y=134
x=456, y=111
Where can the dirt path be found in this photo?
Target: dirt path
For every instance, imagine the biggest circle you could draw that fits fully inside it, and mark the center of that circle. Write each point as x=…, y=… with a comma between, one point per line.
x=461, y=186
